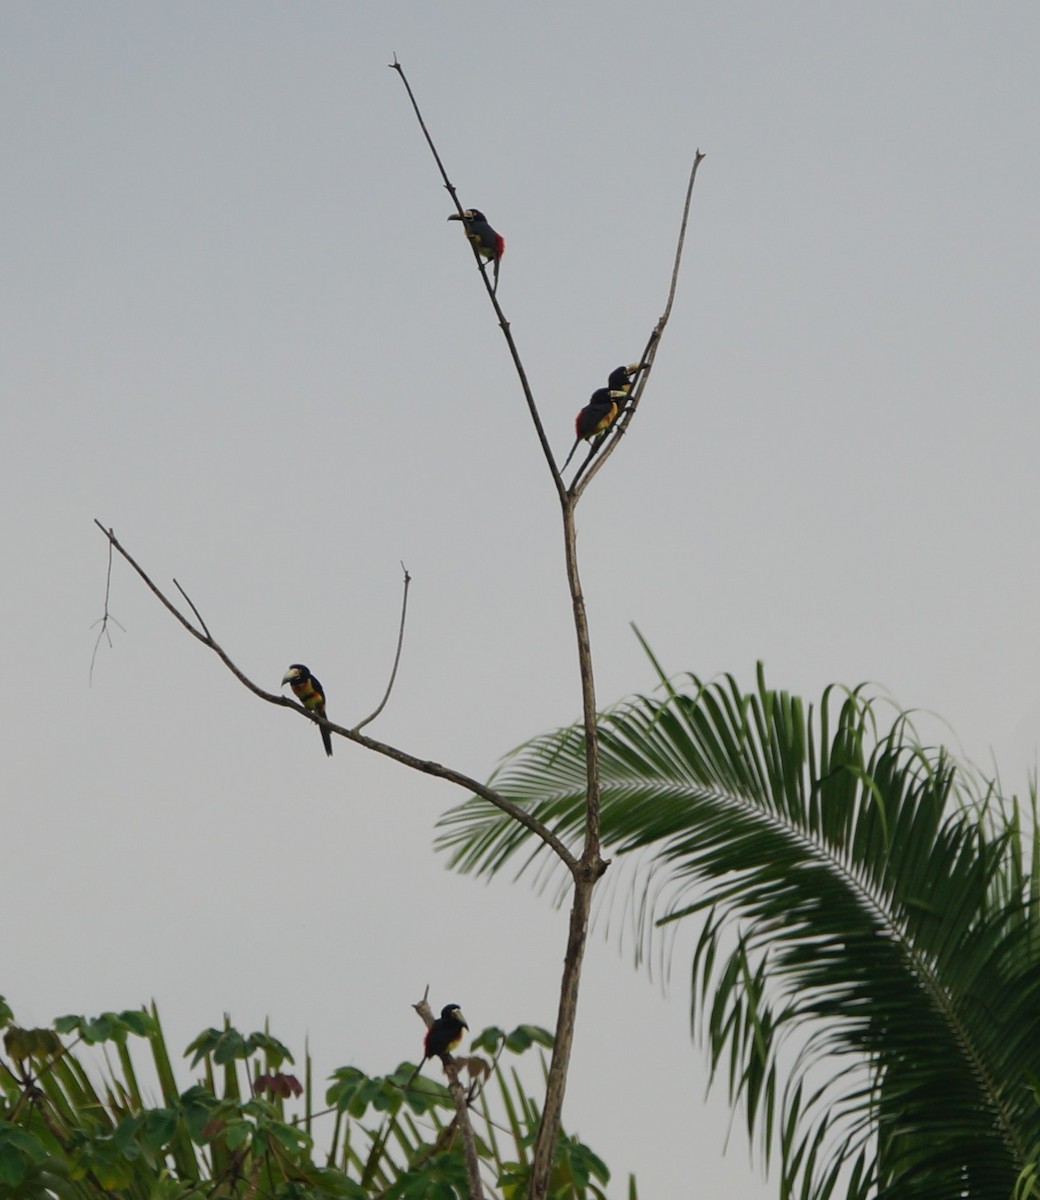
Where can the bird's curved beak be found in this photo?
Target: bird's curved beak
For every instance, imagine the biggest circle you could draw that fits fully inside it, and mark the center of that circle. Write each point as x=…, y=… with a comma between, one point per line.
x=633, y=367
x=288, y=677
x=455, y=217
x=460, y=1018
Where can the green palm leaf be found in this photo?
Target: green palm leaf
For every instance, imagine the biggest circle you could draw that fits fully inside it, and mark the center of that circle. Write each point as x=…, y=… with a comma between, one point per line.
x=867, y=969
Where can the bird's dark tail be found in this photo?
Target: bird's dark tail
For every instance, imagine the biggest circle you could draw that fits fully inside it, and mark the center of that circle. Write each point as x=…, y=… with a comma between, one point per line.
x=570, y=456
x=326, y=737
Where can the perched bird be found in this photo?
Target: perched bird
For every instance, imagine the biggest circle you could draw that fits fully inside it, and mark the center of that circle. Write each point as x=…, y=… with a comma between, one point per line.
x=597, y=416
x=622, y=378
x=487, y=242
x=310, y=694
x=443, y=1036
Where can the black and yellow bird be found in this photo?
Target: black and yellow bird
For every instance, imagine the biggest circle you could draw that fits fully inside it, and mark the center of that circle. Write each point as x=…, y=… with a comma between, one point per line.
x=596, y=417
x=443, y=1035
x=488, y=243
x=604, y=407
x=310, y=694
x=622, y=378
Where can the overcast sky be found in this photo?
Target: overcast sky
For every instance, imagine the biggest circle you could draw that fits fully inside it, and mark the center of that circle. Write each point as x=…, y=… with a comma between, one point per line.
x=237, y=327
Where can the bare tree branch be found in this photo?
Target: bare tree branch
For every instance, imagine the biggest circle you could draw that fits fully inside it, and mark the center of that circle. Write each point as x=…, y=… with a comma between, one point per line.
x=104, y=619
x=198, y=615
x=649, y=354
x=586, y=872
x=396, y=66
x=426, y=766
x=502, y=322
x=591, y=865
x=397, y=657
x=469, y=1142
x=587, y=869
x=422, y=1007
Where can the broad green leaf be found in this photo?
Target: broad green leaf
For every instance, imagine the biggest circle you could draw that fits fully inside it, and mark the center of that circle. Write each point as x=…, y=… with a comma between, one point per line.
x=13, y=1165
x=22, y=1142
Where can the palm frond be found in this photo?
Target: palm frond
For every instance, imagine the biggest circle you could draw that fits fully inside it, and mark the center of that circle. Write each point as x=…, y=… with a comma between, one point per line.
x=867, y=967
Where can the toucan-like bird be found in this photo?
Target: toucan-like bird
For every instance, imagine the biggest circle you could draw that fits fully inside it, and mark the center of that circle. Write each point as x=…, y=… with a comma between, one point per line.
x=488, y=243
x=604, y=406
x=622, y=378
x=597, y=416
x=310, y=694
x=443, y=1035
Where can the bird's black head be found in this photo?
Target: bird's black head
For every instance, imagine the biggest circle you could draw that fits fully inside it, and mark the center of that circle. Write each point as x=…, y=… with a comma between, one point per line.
x=452, y=1012
x=468, y=215
x=295, y=672
x=601, y=398
x=620, y=379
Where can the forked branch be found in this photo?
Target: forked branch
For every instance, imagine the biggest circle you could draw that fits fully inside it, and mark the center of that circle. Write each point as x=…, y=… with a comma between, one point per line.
x=426, y=766
x=582, y=479
x=507, y=332
x=590, y=866
x=103, y=620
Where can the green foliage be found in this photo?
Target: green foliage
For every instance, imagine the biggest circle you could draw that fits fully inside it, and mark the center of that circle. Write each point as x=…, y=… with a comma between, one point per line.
x=109, y=1027
x=19, y=1151
x=866, y=964
x=79, y=1131
x=228, y=1045
x=576, y=1173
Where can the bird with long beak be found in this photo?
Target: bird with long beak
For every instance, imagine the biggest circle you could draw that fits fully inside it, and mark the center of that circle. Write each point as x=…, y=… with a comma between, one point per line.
x=596, y=417
x=486, y=241
x=604, y=407
x=311, y=695
x=622, y=378
x=443, y=1036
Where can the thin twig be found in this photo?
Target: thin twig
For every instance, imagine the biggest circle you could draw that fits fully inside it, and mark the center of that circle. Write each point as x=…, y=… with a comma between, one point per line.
x=492, y=296
x=426, y=766
x=115, y=545
x=650, y=353
x=103, y=620
x=396, y=66
x=397, y=656
x=198, y=615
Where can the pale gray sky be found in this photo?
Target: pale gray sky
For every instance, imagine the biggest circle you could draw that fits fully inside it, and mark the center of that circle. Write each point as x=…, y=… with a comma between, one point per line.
x=238, y=328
